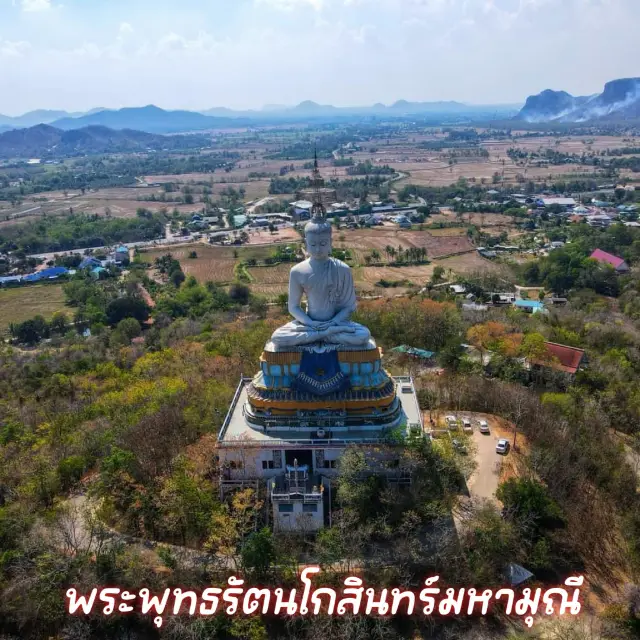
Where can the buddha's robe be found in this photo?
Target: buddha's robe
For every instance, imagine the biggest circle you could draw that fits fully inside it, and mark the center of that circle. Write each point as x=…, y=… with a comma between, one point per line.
x=331, y=296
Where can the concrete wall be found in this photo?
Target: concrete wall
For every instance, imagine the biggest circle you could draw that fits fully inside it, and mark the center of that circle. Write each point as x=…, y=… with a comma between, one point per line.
x=296, y=518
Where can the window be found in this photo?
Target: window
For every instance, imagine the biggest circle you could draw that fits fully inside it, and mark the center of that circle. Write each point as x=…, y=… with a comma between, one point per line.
x=330, y=464
x=309, y=508
x=267, y=464
x=285, y=508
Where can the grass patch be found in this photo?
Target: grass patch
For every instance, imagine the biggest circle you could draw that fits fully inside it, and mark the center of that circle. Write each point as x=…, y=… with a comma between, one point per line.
x=22, y=303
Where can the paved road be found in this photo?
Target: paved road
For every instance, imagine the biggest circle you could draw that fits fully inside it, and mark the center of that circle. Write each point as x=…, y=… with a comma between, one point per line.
x=484, y=481
x=129, y=245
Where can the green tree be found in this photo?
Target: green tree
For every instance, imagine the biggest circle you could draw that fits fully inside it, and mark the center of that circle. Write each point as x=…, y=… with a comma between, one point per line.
x=177, y=277
x=533, y=348
x=283, y=301
x=240, y=293
x=528, y=503
x=127, y=307
x=438, y=274
x=125, y=332
x=259, y=306
x=70, y=471
x=258, y=554
x=59, y=323
x=30, y=331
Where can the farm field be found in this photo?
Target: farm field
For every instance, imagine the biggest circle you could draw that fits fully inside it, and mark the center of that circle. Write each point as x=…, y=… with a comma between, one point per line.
x=470, y=263
x=452, y=232
x=440, y=174
x=416, y=274
x=270, y=281
x=213, y=264
x=362, y=241
x=119, y=202
x=23, y=303
x=216, y=264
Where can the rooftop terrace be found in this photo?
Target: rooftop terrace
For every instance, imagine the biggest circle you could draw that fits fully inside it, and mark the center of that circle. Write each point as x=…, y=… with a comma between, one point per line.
x=235, y=429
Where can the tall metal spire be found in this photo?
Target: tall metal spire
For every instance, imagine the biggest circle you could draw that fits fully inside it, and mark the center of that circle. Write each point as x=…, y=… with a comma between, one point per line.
x=317, y=183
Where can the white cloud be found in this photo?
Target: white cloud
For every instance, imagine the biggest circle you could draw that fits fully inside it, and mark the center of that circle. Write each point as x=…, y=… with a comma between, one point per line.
x=290, y=5
x=82, y=60
x=14, y=49
x=33, y=6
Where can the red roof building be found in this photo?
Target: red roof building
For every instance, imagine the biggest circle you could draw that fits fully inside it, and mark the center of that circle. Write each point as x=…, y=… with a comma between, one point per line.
x=563, y=358
x=617, y=263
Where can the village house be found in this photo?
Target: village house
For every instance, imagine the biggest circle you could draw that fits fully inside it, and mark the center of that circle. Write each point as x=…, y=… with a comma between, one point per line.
x=302, y=209
x=566, y=203
x=530, y=306
x=606, y=258
x=601, y=220
x=560, y=359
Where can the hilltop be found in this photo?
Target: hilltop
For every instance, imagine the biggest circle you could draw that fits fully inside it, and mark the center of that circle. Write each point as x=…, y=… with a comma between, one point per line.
x=45, y=140
x=620, y=100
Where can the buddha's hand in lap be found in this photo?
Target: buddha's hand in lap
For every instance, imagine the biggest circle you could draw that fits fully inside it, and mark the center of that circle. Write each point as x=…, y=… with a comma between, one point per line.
x=320, y=326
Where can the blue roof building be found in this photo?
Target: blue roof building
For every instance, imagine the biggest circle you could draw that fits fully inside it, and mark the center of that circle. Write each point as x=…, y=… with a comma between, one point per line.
x=47, y=274
x=89, y=262
x=530, y=306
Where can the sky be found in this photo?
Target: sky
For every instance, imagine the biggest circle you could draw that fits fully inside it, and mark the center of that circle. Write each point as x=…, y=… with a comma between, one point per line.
x=197, y=54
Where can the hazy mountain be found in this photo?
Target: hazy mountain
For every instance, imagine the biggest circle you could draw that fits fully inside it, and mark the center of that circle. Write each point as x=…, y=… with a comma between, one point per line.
x=150, y=118
x=620, y=100
x=40, y=116
x=153, y=119
x=225, y=112
x=46, y=141
x=403, y=106
x=312, y=110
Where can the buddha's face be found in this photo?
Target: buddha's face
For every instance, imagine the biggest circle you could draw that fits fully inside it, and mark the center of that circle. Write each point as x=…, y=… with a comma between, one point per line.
x=319, y=245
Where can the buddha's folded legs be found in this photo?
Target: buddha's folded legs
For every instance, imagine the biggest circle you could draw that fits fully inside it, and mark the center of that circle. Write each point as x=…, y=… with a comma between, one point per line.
x=351, y=334
x=295, y=333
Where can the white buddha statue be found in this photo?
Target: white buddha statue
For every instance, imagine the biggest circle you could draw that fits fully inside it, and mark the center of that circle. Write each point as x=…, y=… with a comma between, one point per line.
x=331, y=297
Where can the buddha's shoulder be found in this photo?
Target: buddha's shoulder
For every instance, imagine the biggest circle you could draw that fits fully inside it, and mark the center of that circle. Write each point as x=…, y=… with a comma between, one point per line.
x=302, y=268
x=340, y=265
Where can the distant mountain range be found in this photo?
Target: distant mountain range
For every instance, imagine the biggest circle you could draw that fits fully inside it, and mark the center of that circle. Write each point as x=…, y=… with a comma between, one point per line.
x=152, y=119
x=308, y=108
x=619, y=101
x=40, y=116
x=43, y=141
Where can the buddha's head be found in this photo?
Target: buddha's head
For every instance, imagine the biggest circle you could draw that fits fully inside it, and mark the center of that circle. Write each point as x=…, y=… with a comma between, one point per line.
x=317, y=235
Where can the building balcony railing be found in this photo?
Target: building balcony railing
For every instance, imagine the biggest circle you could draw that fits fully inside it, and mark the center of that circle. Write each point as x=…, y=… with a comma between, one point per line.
x=304, y=488
x=303, y=497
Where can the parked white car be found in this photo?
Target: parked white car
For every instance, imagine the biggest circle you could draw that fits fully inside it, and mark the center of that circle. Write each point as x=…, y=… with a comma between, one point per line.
x=503, y=446
x=483, y=426
x=452, y=422
x=466, y=424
